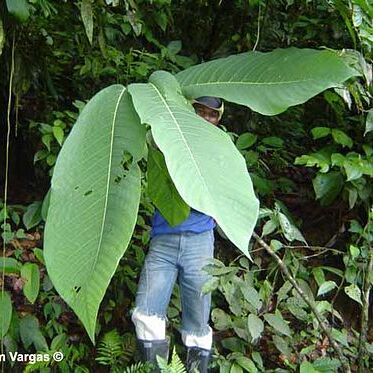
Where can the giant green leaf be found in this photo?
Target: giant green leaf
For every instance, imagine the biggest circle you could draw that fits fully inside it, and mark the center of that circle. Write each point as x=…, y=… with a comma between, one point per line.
x=94, y=201
x=162, y=190
x=267, y=82
x=208, y=171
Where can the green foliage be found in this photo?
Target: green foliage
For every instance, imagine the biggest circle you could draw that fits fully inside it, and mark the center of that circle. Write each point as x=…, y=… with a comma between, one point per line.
x=267, y=82
x=64, y=52
x=99, y=195
x=52, y=136
x=190, y=164
x=18, y=9
x=30, y=274
x=175, y=365
x=162, y=191
x=110, y=349
x=6, y=313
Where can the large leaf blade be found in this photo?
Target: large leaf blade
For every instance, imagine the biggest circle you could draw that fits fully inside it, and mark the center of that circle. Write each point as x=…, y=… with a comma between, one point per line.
x=162, y=190
x=205, y=166
x=267, y=82
x=94, y=201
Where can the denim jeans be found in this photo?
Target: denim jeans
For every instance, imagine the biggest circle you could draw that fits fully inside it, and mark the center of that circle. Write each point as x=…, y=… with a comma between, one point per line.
x=179, y=257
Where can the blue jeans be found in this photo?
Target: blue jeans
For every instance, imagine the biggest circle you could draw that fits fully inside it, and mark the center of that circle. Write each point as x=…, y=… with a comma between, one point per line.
x=178, y=256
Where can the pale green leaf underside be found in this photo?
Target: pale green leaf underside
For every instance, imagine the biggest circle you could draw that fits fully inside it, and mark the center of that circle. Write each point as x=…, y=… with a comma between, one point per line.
x=94, y=201
x=207, y=170
x=267, y=82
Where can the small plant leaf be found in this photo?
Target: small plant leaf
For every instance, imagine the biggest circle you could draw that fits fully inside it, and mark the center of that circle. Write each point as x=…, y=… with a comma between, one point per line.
x=319, y=132
x=255, y=326
x=326, y=287
x=30, y=273
x=278, y=323
x=58, y=134
x=369, y=122
x=5, y=312
x=341, y=138
x=246, y=140
x=354, y=292
x=247, y=364
x=307, y=367
x=281, y=345
x=327, y=186
x=32, y=216
x=30, y=333
x=9, y=265
x=86, y=11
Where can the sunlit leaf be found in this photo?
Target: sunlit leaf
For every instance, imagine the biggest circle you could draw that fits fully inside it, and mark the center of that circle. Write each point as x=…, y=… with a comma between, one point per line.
x=9, y=265
x=267, y=82
x=31, y=275
x=319, y=132
x=354, y=292
x=341, y=138
x=205, y=166
x=326, y=287
x=94, y=201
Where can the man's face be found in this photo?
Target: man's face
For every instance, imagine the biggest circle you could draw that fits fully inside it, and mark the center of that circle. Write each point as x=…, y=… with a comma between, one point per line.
x=206, y=113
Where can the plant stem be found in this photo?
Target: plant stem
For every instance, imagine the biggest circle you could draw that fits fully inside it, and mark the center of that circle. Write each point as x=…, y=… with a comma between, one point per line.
x=284, y=269
x=6, y=183
x=365, y=314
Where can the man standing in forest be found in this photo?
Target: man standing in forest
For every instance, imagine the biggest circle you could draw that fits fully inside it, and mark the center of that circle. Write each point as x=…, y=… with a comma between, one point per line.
x=178, y=252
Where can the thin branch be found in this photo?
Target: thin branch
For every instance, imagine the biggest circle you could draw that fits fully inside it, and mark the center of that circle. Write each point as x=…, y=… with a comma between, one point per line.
x=320, y=319
x=6, y=181
x=258, y=30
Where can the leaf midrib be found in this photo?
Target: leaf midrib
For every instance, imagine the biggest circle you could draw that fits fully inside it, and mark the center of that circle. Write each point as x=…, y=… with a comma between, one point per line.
x=108, y=180
x=250, y=83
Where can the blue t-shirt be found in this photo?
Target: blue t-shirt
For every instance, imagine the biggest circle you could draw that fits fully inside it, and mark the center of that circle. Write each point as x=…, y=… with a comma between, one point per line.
x=196, y=222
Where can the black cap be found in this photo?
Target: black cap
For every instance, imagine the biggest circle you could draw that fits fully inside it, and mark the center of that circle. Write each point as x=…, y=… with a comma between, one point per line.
x=209, y=101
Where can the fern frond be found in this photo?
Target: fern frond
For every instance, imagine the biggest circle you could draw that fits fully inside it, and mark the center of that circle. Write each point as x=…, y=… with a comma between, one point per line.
x=129, y=347
x=177, y=365
x=110, y=349
x=139, y=367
